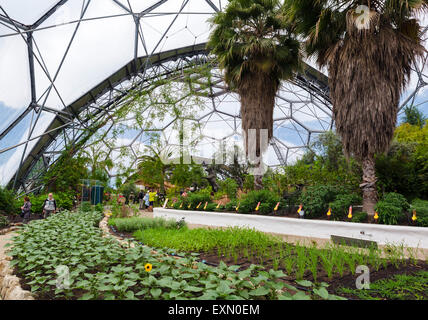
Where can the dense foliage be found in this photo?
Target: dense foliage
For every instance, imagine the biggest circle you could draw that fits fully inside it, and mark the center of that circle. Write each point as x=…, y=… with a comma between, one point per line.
x=316, y=199
x=404, y=169
x=421, y=207
x=267, y=199
x=64, y=200
x=391, y=208
x=8, y=204
x=341, y=204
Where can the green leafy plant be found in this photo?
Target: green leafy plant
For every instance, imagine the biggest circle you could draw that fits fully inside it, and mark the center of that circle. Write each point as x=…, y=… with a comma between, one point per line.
x=4, y=222
x=342, y=203
x=267, y=200
x=359, y=217
x=389, y=213
x=315, y=199
x=8, y=204
x=229, y=187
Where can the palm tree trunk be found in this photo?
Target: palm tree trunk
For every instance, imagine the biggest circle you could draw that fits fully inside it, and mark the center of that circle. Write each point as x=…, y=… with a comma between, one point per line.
x=258, y=182
x=369, y=186
x=257, y=93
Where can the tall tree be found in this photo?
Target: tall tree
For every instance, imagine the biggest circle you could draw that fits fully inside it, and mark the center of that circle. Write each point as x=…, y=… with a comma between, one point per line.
x=414, y=116
x=368, y=47
x=256, y=48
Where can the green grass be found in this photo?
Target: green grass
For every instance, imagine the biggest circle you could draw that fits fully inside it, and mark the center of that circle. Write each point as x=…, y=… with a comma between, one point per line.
x=136, y=223
x=205, y=240
x=399, y=287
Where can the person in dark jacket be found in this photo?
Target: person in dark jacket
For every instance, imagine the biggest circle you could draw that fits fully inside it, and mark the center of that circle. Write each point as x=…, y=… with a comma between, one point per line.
x=141, y=199
x=26, y=210
x=49, y=206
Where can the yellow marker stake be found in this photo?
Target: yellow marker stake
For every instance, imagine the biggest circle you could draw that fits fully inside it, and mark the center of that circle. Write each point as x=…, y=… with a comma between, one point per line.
x=188, y=207
x=414, y=217
x=181, y=205
x=329, y=212
x=205, y=206
x=276, y=207
x=218, y=206
x=300, y=208
x=197, y=207
x=376, y=216
x=237, y=207
x=258, y=206
x=350, y=212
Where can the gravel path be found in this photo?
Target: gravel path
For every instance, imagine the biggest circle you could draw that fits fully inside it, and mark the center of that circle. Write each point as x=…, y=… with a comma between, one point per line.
x=3, y=240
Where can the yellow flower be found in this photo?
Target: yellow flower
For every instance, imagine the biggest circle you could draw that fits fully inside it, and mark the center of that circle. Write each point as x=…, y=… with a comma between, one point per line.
x=148, y=267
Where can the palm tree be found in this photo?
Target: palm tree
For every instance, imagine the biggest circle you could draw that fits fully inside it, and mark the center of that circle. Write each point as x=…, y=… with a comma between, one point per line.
x=368, y=47
x=256, y=49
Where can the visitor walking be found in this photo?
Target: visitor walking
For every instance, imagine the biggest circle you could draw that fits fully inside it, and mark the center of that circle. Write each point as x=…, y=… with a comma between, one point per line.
x=152, y=195
x=49, y=206
x=141, y=199
x=26, y=210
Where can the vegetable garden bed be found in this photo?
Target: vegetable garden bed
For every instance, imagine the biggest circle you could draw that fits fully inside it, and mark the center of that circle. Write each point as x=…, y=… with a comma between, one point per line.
x=100, y=268
x=335, y=265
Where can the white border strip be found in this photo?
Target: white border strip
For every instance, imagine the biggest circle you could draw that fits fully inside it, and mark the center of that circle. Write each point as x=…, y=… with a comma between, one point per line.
x=382, y=234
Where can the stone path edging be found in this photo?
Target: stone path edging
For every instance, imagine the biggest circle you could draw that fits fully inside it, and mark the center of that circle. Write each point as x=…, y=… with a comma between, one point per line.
x=10, y=288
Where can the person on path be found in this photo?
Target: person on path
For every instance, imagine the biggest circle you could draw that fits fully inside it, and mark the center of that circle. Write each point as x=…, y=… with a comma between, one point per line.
x=26, y=210
x=146, y=199
x=152, y=195
x=141, y=199
x=49, y=206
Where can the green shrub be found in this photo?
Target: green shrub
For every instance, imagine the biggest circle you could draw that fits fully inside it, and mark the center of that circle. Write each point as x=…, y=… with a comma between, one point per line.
x=231, y=206
x=63, y=200
x=4, y=222
x=8, y=204
x=421, y=207
x=267, y=199
x=85, y=206
x=359, y=217
x=196, y=198
x=211, y=207
x=220, y=208
x=389, y=213
x=230, y=187
x=340, y=205
x=99, y=208
x=396, y=199
x=316, y=199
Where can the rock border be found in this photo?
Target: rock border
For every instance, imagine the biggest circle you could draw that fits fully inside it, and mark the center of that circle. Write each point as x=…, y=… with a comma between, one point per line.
x=10, y=287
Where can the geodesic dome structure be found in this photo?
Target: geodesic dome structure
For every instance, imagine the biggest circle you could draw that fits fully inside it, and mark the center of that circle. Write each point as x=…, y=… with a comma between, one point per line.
x=67, y=66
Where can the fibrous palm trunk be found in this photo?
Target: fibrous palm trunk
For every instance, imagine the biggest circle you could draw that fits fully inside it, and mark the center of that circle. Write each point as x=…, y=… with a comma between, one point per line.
x=369, y=186
x=257, y=92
